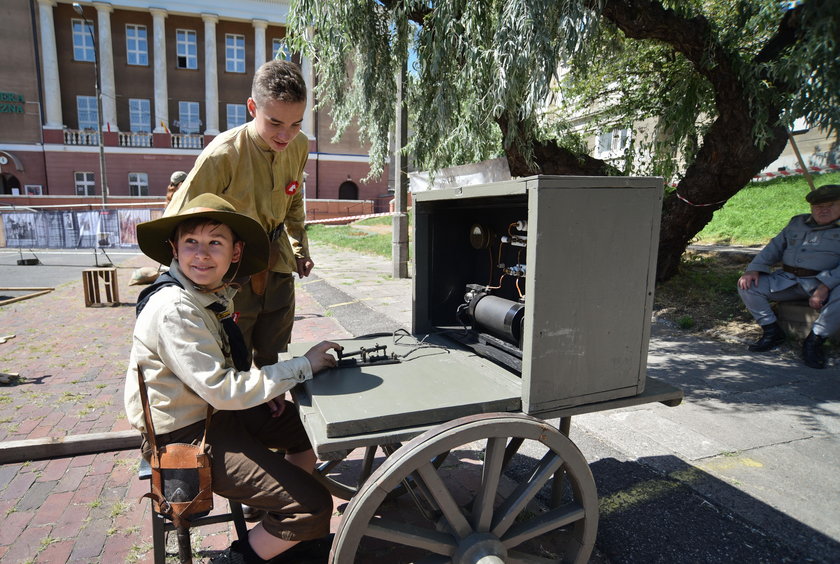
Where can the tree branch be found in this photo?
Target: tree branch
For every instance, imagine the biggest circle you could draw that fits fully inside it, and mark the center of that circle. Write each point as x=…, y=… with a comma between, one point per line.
x=417, y=16
x=788, y=34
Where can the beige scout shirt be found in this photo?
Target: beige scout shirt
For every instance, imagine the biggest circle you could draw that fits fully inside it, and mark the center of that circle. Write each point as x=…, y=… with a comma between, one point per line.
x=258, y=181
x=181, y=347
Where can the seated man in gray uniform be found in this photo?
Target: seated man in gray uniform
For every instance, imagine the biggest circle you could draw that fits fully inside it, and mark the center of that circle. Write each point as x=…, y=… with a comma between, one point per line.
x=809, y=250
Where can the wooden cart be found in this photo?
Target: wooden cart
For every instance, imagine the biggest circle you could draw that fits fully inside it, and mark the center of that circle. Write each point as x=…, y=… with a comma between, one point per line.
x=471, y=388
x=398, y=477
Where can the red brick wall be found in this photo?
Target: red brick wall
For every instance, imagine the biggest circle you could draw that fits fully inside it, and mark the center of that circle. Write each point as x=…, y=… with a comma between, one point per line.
x=62, y=165
x=325, y=177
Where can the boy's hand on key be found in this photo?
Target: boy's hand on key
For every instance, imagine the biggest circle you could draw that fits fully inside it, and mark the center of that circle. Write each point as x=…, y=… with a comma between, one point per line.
x=319, y=356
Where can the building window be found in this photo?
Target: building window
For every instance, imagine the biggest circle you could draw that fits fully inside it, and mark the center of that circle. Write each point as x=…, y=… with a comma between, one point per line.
x=84, y=183
x=82, y=41
x=138, y=183
x=140, y=115
x=87, y=112
x=234, y=53
x=188, y=121
x=187, y=49
x=136, y=44
x=235, y=115
x=280, y=50
x=612, y=144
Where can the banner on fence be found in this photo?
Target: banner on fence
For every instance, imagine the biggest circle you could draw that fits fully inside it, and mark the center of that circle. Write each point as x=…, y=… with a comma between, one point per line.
x=73, y=229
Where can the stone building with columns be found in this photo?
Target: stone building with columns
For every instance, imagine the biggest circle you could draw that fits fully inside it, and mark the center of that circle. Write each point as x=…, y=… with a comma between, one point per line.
x=173, y=75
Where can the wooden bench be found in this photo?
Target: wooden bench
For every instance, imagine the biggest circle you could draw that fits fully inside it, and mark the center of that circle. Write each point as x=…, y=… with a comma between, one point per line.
x=161, y=525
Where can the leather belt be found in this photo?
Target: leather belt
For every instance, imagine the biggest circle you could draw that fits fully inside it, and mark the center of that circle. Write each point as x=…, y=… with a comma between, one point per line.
x=275, y=233
x=801, y=272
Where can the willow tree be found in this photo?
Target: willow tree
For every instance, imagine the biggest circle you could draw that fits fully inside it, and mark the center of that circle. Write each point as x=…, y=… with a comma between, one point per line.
x=722, y=80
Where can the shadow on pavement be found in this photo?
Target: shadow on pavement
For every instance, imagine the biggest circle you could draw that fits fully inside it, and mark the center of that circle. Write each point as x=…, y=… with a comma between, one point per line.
x=650, y=517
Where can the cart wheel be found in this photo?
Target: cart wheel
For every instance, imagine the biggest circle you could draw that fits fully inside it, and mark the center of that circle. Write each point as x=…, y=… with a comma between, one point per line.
x=491, y=520
x=343, y=482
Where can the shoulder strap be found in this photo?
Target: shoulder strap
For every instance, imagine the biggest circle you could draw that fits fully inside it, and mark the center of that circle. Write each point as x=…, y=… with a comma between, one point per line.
x=150, y=426
x=165, y=279
x=147, y=416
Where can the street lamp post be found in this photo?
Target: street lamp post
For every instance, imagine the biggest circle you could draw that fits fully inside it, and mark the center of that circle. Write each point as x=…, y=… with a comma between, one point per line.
x=104, y=180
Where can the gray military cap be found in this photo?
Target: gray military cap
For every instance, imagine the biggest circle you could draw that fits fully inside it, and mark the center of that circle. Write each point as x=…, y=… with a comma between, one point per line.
x=177, y=177
x=824, y=194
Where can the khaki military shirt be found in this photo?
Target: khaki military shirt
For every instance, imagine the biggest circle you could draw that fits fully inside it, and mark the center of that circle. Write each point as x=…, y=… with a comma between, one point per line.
x=258, y=181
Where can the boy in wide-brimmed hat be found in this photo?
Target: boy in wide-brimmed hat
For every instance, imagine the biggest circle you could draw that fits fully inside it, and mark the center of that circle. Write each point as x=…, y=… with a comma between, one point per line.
x=185, y=345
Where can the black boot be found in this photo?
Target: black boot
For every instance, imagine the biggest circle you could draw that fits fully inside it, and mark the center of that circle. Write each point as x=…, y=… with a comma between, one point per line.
x=238, y=553
x=812, y=352
x=773, y=337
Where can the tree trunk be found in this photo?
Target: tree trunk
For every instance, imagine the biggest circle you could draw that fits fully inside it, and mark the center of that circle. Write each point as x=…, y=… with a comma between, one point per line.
x=727, y=161
x=729, y=157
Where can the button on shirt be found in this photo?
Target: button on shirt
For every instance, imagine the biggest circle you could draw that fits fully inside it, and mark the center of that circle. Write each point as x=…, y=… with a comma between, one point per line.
x=802, y=244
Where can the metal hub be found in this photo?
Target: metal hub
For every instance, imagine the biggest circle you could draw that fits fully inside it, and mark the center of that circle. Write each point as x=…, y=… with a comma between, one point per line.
x=480, y=548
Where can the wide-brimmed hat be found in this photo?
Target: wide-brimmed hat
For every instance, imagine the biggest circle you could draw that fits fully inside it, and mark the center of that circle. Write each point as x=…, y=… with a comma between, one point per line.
x=824, y=194
x=153, y=236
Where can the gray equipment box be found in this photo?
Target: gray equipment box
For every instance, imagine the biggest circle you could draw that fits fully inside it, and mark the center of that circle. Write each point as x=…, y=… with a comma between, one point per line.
x=577, y=271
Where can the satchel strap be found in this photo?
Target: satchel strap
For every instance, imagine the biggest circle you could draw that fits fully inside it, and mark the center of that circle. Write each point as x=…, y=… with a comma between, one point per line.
x=150, y=426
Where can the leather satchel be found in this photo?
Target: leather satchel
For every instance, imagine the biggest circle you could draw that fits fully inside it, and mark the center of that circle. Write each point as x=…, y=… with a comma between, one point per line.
x=181, y=484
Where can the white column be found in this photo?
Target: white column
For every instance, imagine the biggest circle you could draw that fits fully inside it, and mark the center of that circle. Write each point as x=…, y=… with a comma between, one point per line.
x=106, y=66
x=211, y=84
x=306, y=68
x=49, y=58
x=259, y=42
x=161, y=117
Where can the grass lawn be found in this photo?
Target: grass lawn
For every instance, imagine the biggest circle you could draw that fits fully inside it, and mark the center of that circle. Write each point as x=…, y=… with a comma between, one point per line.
x=758, y=212
x=371, y=235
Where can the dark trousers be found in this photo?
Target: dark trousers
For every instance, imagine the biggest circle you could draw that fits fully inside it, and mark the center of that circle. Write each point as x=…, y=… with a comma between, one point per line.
x=266, y=321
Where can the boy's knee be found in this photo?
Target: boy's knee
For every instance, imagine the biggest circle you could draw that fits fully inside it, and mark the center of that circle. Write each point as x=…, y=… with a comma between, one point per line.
x=310, y=519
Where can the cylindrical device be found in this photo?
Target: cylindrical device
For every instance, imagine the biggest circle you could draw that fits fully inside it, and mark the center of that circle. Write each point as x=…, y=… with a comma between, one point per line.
x=500, y=317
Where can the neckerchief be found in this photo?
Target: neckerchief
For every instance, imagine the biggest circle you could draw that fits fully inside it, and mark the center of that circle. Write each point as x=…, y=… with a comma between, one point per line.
x=238, y=351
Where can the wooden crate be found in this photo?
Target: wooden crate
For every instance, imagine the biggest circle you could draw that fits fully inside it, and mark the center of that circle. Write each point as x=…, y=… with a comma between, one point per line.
x=101, y=287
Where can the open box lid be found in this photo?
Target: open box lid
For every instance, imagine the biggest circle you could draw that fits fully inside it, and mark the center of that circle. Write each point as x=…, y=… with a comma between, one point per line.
x=434, y=382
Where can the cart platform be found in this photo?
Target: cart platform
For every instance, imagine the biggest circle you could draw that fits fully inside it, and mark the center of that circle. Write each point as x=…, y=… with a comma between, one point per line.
x=438, y=380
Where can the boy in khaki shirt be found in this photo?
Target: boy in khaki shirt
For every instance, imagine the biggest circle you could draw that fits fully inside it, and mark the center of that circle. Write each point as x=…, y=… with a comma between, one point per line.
x=187, y=350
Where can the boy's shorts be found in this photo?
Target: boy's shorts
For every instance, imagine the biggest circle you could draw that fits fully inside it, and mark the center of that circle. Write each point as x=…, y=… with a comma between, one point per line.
x=248, y=449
